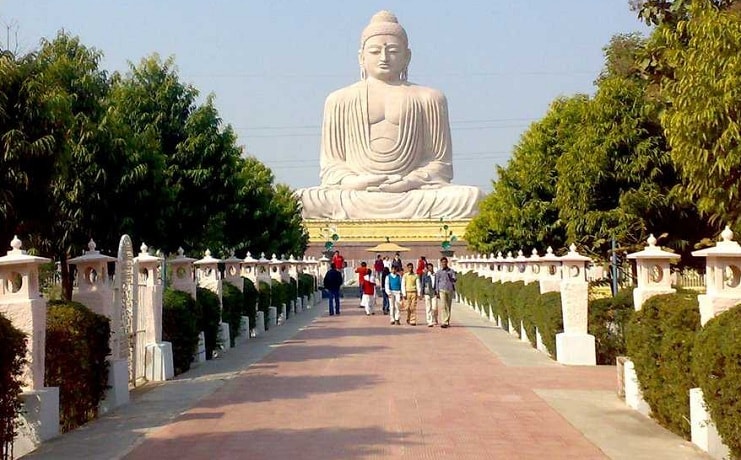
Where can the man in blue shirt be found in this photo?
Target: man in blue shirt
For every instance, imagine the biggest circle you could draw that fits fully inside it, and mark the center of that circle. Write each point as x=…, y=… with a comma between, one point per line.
x=444, y=288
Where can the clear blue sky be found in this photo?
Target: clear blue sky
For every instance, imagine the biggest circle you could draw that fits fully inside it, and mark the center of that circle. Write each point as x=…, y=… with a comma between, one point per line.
x=270, y=64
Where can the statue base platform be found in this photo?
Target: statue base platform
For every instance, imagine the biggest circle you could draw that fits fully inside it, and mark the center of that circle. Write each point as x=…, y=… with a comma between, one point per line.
x=422, y=237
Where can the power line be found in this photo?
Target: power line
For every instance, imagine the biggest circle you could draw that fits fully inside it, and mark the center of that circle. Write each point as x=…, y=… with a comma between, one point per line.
x=413, y=76
x=457, y=156
x=454, y=122
x=318, y=134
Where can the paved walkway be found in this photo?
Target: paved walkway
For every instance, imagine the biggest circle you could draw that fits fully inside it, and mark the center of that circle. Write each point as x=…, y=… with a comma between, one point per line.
x=353, y=387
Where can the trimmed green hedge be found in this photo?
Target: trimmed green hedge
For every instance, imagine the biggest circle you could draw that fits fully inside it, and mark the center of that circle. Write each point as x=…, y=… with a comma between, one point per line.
x=263, y=301
x=180, y=327
x=278, y=296
x=660, y=339
x=306, y=284
x=549, y=319
x=76, y=350
x=250, y=302
x=291, y=292
x=12, y=360
x=210, y=319
x=520, y=303
x=232, y=301
x=716, y=365
x=607, y=320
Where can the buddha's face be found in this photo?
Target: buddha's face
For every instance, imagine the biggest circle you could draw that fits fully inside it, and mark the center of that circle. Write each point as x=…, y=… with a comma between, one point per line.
x=384, y=57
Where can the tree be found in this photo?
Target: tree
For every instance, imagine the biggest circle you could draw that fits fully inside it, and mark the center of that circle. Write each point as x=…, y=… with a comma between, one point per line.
x=617, y=180
x=521, y=212
x=56, y=145
x=703, y=119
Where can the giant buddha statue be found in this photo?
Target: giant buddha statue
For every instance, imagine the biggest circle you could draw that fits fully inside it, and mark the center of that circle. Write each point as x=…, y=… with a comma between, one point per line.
x=386, y=150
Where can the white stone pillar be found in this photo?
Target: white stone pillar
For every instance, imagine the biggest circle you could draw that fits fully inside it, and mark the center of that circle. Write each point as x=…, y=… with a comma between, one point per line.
x=209, y=277
x=532, y=272
x=95, y=292
x=158, y=360
x=183, y=273
x=22, y=304
x=654, y=278
x=233, y=272
x=575, y=345
x=550, y=272
x=723, y=280
x=654, y=272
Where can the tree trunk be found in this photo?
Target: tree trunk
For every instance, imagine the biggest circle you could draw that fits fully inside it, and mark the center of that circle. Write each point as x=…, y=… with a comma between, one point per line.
x=66, y=279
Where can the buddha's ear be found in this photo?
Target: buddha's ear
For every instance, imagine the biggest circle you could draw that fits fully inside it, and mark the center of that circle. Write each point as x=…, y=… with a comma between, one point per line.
x=409, y=56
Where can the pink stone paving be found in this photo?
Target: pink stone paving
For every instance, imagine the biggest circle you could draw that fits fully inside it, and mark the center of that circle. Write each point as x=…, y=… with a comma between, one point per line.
x=353, y=387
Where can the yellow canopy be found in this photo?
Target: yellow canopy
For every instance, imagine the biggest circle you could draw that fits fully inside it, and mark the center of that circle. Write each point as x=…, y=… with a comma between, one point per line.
x=387, y=247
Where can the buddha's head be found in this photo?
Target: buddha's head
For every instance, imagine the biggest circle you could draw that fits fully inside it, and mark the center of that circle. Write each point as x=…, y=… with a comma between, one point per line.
x=384, y=49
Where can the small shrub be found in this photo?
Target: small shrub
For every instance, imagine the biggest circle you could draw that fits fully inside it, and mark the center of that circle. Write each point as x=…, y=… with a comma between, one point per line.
x=180, y=327
x=659, y=340
x=232, y=301
x=548, y=317
x=278, y=295
x=12, y=360
x=607, y=320
x=250, y=301
x=716, y=364
x=76, y=350
x=291, y=291
x=210, y=320
x=526, y=299
x=263, y=302
x=306, y=284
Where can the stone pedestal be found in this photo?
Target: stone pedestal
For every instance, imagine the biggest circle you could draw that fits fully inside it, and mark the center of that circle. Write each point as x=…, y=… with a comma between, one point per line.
x=704, y=433
x=272, y=316
x=539, y=345
x=576, y=349
x=200, y=356
x=713, y=304
x=575, y=346
x=225, y=336
x=523, y=333
x=259, y=323
x=633, y=394
x=39, y=420
x=118, y=380
x=511, y=327
x=158, y=362
x=244, y=328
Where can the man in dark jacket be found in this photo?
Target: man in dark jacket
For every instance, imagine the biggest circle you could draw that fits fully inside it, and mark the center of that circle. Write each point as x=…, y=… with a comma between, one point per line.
x=333, y=283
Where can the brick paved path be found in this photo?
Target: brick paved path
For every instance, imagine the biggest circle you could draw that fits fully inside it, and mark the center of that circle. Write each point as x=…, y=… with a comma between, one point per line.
x=353, y=387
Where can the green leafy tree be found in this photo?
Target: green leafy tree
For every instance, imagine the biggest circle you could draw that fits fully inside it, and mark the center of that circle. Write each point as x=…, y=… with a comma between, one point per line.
x=704, y=114
x=521, y=212
x=617, y=178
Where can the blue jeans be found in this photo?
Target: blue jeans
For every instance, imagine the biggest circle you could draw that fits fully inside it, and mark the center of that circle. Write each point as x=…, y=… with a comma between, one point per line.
x=385, y=300
x=334, y=301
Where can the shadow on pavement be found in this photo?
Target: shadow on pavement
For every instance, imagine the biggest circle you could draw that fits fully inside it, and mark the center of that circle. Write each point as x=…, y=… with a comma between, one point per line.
x=321, y=331
x=298, y=353
x=261, y=387
x=319, y=443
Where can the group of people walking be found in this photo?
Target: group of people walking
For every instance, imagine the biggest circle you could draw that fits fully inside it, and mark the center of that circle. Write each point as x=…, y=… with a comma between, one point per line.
x=400, y=289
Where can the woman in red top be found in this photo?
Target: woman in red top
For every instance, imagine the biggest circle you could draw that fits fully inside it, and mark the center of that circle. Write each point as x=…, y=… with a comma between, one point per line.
x=421, y=265
x=338, y=261
x=362, y=271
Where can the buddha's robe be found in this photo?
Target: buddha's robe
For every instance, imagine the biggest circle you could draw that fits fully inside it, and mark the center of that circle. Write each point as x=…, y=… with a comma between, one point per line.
x=422, y=150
